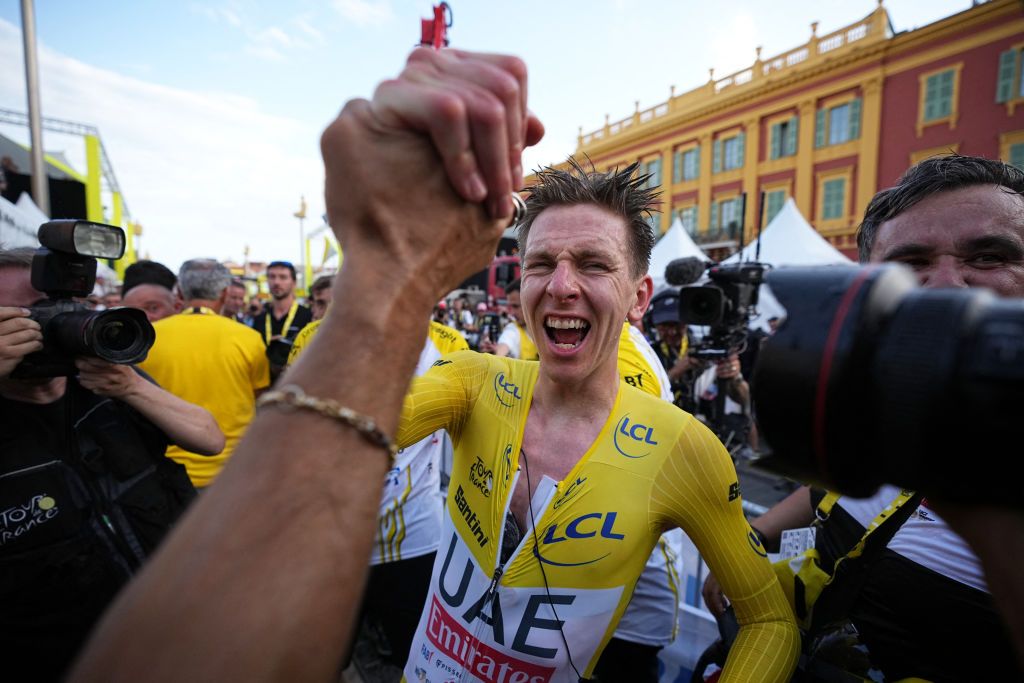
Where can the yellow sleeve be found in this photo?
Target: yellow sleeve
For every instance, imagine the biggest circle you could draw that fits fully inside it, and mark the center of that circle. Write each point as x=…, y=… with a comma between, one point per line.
x=697, y=490
x=302, y=340
x=447, y=339
x=442, y=397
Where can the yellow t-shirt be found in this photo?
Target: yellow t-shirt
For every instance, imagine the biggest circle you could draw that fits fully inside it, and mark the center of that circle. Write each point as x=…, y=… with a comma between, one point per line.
x=652, y=468
x=216, y=363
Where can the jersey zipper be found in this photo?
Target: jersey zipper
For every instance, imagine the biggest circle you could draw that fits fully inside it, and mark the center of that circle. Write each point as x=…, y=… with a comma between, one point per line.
x=499, y=567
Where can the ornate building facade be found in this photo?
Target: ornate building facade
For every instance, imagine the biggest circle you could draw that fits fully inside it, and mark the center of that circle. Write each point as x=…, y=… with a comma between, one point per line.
x=827, y=123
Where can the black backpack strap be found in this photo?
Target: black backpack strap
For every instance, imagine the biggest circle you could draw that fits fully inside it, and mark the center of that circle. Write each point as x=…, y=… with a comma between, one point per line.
x=850, y=572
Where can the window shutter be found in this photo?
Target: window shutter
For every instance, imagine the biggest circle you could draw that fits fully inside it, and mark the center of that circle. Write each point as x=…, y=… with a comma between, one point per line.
x=776, y=138
x=931, y=98
x=677, y=167
x=819, y=128
x=1007, y=73
x=713, y=226
x=696, y=163
x=656, y=172
x=1017, y=156
x=946, y=93
x=789, y=146
x=855, y=119
x=716, y=156
x=741, y=149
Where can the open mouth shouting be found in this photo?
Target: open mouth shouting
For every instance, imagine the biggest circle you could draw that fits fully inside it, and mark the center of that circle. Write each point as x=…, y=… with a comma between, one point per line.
x=566, y=333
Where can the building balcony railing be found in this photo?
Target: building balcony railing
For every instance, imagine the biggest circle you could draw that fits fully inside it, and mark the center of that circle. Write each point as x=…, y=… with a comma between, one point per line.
x=872, y=29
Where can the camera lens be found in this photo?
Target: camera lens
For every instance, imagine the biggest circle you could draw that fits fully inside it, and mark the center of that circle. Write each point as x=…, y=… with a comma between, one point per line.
x=116, y=336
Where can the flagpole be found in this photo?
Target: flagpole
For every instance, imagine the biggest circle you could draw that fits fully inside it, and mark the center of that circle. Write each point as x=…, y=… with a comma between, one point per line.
x=40, y=179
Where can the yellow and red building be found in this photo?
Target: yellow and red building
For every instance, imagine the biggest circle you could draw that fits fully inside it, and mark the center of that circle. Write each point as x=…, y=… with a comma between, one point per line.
x=828, y=123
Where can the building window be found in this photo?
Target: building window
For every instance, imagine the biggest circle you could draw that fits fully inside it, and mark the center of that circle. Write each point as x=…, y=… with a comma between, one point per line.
x=1010, y=78
x=726, y=218
x=653, y=170
x=686, y=165
x=727, y=153
x=783, y=138
x=1016, y=155
x=938, y=96
x=838, y=124
x=773, y=203
x=688, y=219
x=833, y=204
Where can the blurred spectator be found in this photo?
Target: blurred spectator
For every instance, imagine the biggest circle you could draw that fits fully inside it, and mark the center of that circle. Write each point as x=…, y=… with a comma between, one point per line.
x=514, y=341
x=283, y=317
x=208, y=360
x=320, y=294
x=147, y=272
x=112, y=299
x=234, y=302
x=157, y=301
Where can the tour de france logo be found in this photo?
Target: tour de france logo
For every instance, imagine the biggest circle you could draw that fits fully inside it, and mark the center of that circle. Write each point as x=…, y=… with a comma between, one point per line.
x=18, y=520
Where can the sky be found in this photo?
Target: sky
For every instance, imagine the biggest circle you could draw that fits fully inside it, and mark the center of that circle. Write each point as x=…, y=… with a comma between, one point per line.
x=211, y=112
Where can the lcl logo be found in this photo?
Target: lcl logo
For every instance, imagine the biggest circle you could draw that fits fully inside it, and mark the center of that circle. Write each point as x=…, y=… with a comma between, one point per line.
x=589, y=525
x=630, y=438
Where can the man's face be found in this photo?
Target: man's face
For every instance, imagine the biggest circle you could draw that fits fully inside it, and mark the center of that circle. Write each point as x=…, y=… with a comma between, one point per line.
x=577, y=289
x=670, y=333
x=971, y=237
x=16, y=288
x=280, y=282
x=233, y=301
x=515, y=307
x=321, y=300
x=157, y=302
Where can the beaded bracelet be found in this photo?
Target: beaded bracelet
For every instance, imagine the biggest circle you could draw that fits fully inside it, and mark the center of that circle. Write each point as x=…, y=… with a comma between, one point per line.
x=292, y=397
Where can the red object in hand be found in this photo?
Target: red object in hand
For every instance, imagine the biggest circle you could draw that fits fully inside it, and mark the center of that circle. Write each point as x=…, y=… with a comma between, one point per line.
x=434, y=32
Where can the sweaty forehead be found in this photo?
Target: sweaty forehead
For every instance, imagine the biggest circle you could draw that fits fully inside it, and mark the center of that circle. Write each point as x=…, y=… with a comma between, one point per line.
x=952, y=221
x=579, y=230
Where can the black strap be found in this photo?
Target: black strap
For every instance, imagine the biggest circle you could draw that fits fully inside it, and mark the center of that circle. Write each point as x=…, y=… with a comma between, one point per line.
x=850, y=574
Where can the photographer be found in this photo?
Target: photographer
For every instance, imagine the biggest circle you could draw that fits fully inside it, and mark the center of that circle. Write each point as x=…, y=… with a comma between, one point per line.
x=922, y=607
x=86, y=493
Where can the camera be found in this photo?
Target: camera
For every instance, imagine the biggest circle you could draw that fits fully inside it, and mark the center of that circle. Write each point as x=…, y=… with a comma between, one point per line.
x=63, y=268
x=725, y=305
x=871, y=379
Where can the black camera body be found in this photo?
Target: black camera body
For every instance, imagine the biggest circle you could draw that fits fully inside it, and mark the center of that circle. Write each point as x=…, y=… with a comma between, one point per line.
x=725, y=305
x=874, y=380
x=65, y=268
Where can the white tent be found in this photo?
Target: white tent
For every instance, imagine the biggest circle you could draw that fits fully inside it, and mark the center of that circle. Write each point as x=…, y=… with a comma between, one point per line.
x=18, y=228
x=26, y=204
x=789, y=240
x=675, y=243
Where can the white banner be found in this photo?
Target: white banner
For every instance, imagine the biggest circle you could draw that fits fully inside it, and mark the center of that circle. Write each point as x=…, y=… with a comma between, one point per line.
x=17, y=228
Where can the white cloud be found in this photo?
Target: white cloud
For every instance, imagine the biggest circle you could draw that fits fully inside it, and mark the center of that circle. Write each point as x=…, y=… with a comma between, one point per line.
x=365, y=12
x=205, y=173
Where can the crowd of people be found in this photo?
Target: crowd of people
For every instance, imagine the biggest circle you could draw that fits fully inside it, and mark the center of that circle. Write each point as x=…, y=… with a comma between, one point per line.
x=515, y=513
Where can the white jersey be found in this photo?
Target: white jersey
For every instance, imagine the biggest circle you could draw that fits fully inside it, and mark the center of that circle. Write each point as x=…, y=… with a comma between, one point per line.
x=924, y=538
x=652, y=617
x=409, y=519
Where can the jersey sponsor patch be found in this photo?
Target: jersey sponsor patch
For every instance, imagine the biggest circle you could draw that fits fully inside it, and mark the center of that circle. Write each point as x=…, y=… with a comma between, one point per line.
x=472, y=521
x=576, y=534
x=482, y=477
x=631, y=438
x=505, y=391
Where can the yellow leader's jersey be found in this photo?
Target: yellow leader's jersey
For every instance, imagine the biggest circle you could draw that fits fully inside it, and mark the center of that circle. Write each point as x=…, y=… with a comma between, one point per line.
x=554, y=604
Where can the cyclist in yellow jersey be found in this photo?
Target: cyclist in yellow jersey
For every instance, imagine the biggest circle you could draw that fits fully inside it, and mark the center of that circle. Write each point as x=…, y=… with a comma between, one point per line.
x=565, y=476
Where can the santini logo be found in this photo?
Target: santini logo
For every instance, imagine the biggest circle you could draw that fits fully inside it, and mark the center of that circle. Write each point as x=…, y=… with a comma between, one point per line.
x=506, y=392
x=629, y=438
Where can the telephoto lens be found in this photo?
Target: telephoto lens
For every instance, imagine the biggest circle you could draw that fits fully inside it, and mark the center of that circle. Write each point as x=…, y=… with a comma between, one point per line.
x=873, y=380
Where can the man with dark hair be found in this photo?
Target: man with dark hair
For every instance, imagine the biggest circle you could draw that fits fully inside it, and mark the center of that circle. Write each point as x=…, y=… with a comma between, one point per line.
x=147, y=272
x=564, y=476
x=209, y=360
x=149, y=286
x=86, y=494
x=924, y=609
x=234, y=301
x=514, y=341
x=283, y=317
x=320, y=294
